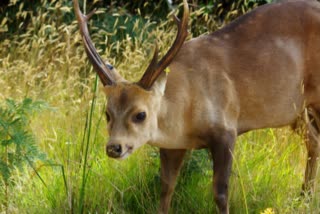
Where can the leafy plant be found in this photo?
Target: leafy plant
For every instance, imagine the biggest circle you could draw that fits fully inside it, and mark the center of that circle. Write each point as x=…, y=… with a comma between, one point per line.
x=17, y=143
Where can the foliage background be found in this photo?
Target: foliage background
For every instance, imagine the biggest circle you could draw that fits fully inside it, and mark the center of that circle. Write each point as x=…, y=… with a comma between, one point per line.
x=41, y=57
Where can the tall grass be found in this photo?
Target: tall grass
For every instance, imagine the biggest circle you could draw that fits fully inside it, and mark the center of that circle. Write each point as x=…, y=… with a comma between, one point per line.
x=47, y=61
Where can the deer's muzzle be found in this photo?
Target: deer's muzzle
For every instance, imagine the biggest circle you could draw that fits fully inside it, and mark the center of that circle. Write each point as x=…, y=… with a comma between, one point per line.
x=114, y=150
x=117, y=150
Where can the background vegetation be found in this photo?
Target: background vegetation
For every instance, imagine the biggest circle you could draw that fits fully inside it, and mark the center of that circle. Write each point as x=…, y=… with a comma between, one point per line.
x=42, y=58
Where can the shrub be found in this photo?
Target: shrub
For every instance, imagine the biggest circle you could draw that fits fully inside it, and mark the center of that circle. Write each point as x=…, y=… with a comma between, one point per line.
x=17, y=143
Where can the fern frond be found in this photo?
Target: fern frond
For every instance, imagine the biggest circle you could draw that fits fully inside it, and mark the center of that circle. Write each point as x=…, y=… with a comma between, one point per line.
x=17, y=143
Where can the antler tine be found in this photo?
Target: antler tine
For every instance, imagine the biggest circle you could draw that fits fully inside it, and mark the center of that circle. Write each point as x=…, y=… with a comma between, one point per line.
x=154, y=71
x=153, y=64
x=106, y=75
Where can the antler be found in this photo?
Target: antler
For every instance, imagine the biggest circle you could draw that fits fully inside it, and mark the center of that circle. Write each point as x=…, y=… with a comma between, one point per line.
x=156, y=68
x=107, y=75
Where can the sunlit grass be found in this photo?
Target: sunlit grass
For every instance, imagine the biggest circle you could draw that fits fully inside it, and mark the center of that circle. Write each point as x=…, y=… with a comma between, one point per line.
x=48, y=62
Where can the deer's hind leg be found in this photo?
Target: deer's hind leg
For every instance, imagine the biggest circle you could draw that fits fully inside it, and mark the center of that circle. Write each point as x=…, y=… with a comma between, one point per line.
x=312, y=117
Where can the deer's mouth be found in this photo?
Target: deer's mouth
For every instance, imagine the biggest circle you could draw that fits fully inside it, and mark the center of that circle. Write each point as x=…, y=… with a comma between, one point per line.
x=118, y=151
x=126, y=153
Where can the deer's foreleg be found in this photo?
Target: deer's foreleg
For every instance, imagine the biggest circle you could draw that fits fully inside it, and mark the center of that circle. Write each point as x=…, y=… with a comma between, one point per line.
x=171, y=161
x=221, y=147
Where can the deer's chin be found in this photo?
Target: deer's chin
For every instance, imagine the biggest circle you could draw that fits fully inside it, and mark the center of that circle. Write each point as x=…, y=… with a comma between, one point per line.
x=124, y=156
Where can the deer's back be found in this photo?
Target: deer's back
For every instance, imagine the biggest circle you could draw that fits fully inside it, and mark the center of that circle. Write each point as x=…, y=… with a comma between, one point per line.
x=256, y=72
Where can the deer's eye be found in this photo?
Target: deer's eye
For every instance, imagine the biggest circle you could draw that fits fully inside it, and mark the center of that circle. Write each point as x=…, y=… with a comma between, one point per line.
x=107, y=116
x=139, y=117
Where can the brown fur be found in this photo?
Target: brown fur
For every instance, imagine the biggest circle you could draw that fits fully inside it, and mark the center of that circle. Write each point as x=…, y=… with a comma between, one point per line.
x=262, y=70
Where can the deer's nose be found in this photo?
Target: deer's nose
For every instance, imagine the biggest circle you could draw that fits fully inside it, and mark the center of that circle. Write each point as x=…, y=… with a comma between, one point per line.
x=114, y=150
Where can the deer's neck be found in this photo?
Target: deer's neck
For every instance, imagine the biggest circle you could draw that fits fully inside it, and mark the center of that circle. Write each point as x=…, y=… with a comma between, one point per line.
x=172, y=130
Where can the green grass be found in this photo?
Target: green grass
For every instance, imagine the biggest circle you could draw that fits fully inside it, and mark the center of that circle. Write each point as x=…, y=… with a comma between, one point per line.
x=268, y=164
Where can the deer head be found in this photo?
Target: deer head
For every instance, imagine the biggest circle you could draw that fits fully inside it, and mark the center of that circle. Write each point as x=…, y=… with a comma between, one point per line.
x=132, y=108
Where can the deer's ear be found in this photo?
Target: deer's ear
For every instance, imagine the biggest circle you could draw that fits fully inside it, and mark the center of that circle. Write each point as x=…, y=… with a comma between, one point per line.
x=159, y=86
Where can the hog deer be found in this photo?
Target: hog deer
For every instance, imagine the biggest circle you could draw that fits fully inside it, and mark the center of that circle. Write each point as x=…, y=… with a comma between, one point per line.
x=262, y=70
